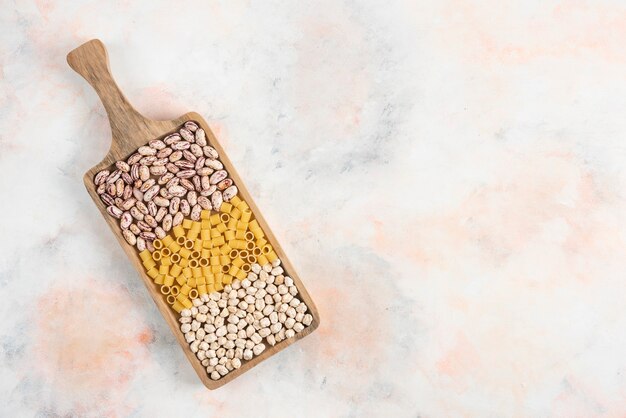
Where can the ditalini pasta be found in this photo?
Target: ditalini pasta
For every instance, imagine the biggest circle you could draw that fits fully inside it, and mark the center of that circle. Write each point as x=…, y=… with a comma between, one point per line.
x=200, y=257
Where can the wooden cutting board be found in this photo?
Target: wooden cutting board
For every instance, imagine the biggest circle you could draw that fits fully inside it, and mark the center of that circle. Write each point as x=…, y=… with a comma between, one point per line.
x=130, y=130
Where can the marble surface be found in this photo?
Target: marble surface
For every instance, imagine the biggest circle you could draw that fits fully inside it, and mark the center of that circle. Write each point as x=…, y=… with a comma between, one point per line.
x=448, y=178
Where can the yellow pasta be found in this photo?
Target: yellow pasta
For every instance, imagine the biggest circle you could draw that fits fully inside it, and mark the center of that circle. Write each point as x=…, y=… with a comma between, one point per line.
x=199, y=257
x=226, y=207
x=235, y=200
x=235, y=213
x=258, y=233
x=271, y=257
x=184, y=289
x=157, y=244
x=175, y=270
x=178, y=231
x=145, y=255
x=174, y=247
x=262, y=260
x=148, y=264
x=167, y=241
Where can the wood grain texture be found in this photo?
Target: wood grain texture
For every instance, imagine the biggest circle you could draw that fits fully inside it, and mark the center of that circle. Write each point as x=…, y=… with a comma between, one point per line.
x=131, y=130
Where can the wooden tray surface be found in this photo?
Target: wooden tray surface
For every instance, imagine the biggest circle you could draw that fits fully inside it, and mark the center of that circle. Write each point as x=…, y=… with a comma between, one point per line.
x=130, y=130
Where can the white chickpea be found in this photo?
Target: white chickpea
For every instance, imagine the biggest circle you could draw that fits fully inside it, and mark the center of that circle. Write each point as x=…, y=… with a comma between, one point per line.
x=258, y=349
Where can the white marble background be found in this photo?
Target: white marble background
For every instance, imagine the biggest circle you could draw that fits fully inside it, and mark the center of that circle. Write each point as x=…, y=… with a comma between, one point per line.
x=448, y=177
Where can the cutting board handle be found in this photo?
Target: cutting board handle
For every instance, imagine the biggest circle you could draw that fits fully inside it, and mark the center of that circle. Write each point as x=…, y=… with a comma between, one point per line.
x=91, y=61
